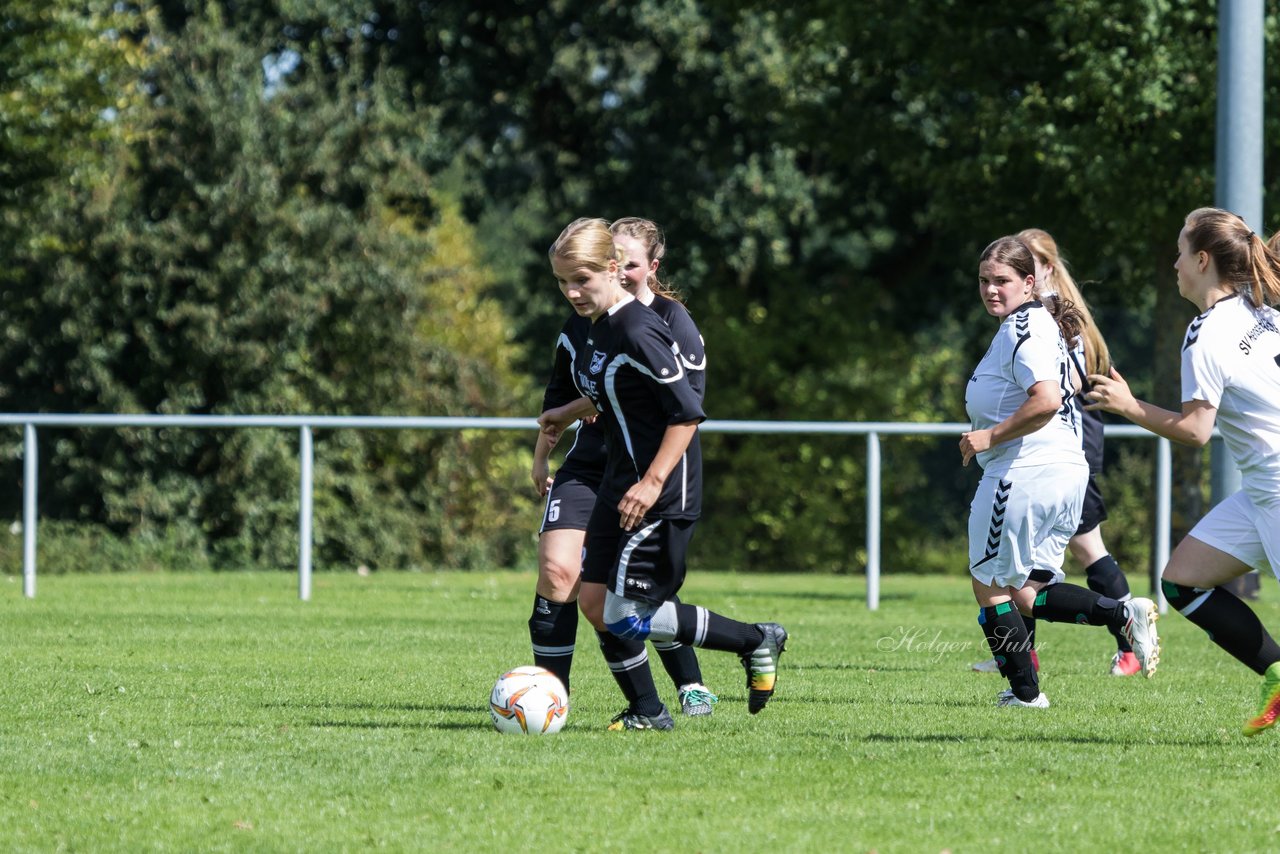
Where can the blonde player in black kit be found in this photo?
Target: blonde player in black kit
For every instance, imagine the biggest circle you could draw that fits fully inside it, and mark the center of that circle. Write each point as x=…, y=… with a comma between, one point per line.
x=571, y=495
x=633, y=378
x=1231, y=376
x=1027, y=506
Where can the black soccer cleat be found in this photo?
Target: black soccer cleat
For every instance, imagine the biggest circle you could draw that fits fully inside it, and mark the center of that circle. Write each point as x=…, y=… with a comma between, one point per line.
x=627, y=719
x=762, y=665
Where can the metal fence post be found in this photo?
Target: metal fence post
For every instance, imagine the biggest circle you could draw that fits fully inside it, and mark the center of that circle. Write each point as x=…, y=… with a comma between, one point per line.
x=305, y=455
x=873, y=521
x=30, y=465
x=1164, y=517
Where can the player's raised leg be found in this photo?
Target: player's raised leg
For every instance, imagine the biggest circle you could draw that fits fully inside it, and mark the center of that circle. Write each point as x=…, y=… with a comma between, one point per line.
x=1192, y=585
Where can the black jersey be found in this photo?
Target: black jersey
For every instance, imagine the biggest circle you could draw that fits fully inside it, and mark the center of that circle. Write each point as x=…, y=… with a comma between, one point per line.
x=588, y=454
x=1091, y=438
x=631, y=369
x=687, y=338
x=1091, y=424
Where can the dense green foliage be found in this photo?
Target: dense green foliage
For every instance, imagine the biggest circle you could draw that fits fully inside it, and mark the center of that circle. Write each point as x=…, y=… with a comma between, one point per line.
x=343, y=207
x=201, y=712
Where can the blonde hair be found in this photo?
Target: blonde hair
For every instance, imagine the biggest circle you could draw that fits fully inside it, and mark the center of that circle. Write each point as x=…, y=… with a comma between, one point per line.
x=1241, y=257
x=655, y=246
x=587, y=242
x=1097, y=355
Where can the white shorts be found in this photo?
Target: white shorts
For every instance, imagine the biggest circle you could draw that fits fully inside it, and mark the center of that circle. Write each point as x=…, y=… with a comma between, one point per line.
x=1242, y=529
x=1022, y=521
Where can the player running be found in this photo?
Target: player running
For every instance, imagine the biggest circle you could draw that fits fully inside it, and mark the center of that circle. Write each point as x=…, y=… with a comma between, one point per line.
x=633, y=378
x=553, y=625
x=1231, y=375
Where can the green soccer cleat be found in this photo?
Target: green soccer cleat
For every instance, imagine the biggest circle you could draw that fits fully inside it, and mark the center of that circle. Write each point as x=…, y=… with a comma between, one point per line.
x=1269, y=705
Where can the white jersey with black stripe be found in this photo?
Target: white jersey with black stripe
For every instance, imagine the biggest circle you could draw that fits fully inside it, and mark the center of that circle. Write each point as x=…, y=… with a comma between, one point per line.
x=1027, y=349
x=1231, y=360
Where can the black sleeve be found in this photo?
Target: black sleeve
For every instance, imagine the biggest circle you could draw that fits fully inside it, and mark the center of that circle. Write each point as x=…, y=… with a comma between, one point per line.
x=654, y=353
x=560, y=388
x=692, y=353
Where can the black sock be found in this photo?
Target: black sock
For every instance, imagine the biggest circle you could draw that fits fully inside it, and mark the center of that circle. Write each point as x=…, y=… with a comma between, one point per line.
x=1231, y=623
x=629, y=663
x=1006, y=634
x=1030, y=624
x=1070, y=603
x=553, y=628
x=697, y=626
x=680, y=662
x=1104, y=576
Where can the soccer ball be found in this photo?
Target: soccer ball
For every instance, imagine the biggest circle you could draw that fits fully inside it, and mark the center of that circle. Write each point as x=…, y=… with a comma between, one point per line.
x=528, y=701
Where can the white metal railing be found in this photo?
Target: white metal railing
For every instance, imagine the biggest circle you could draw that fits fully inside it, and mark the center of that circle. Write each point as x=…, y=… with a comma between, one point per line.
x=305, y=424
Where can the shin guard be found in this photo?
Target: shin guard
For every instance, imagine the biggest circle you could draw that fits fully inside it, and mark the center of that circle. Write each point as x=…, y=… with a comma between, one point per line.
x=1006, y=634
x=1229, y=622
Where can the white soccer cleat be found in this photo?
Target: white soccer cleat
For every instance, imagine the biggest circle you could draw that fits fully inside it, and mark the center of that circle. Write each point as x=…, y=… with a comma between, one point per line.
x=988, y=666
x=1140, y=630
x=1008, y=698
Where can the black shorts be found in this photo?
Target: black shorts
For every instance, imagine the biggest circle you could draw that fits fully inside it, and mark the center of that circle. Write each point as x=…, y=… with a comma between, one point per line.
x=569, y=503
x=646, y=563
x=1095, y=509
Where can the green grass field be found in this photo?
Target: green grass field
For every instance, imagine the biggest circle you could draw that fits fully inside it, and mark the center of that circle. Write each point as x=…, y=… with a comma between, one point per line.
x=217, y=712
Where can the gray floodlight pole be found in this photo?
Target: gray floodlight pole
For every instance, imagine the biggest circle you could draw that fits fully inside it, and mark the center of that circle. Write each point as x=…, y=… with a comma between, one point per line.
x=1239, y=153
x=1239, y=159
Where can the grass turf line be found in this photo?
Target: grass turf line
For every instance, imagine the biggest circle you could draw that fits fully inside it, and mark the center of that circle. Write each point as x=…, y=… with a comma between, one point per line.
x=217, y=712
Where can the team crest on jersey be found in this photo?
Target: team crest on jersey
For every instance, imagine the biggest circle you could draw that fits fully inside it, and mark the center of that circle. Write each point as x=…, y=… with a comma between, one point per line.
x=597, y=362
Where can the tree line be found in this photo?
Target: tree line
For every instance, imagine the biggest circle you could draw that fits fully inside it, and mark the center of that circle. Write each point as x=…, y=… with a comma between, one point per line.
x=343, y=208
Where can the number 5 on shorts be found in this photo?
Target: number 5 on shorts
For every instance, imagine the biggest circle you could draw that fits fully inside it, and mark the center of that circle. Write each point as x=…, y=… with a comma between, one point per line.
x=553, y=510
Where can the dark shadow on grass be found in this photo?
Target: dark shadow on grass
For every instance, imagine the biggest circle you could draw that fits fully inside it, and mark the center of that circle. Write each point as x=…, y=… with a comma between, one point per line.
x=817, y=597
x=374, y=707
x=867, y=668
x=1024, y=735
x=424, y=726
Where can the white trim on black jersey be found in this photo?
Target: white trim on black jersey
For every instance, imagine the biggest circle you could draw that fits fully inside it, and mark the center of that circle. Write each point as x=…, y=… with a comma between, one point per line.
x=610, y=388
x=693, y=366
x=563, y=341
x=624, y=559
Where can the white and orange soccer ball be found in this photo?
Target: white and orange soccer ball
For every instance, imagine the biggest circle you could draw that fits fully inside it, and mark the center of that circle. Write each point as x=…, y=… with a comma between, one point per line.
x=528, y=701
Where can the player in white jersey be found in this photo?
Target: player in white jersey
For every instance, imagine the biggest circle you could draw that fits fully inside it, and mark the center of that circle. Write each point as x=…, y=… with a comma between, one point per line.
x=1027, y=506
x=1231, y=375
x=1090, y=356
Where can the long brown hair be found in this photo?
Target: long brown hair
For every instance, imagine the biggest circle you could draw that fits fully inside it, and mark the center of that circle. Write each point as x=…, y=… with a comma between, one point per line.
x=1097, y=355
x=1242, y=259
